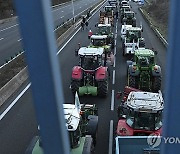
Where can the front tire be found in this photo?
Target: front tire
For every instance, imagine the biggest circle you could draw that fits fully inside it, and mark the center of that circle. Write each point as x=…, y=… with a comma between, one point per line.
x=75, y=84
x=103, y=88
x=156, y=84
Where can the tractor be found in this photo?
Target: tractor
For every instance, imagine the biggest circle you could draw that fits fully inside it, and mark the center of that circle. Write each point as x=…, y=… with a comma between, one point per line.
x=132, y=40
x=103, y=41
x=123, y=10
x=81, y=123
x=107, y=16
x=140, y=113
x=91, y=76
x=143, y=73
x=129, y=18
x=106, y=29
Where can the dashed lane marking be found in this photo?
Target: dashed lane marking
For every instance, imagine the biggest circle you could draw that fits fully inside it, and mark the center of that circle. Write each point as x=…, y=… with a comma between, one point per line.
x=110, y=137
x=112, y=101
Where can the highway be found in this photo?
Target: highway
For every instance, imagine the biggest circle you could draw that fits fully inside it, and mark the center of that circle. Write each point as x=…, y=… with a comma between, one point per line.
x=18, y=126
x=10, y=38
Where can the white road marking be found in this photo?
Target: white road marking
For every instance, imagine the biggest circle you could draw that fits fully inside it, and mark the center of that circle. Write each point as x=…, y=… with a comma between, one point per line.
x=113, y=81
x=115, y=43
x=14, y=102
x=114, y=50
x=62, y=11
x=114, y=61
x=110, y=137
x=62, y=17
x=68, y=41
x=19, y=40
x=9, y=27
x=80, y=7
x=112, y=101
x=1, y=39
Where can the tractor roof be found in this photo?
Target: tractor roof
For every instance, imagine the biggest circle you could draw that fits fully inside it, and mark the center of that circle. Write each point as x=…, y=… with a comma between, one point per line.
x=110, y=6
x=145, y=101
x=144, y=52
x=104, y=25
x=134, y=29
x=99, y=37
x=128, y=12
x=90, y=51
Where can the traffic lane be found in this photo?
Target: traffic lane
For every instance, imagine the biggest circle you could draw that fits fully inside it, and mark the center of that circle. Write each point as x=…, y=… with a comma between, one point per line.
x=18, y=126
x=65, y=14
x=152, y=41
x=67, y=61
x=9, y=47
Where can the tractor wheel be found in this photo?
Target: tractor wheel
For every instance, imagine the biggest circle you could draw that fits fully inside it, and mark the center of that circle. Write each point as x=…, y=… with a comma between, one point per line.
x=132, y=81
x=75, y=85
x=92, y=127
x=156, y=86
x=103, y=88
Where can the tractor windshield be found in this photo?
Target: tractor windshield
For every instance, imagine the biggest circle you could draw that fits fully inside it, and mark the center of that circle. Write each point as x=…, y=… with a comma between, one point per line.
x=145, y=61
x=90, y=62
x=129, y=15
x=144, y=120
x=98, y=42
x=104, y=30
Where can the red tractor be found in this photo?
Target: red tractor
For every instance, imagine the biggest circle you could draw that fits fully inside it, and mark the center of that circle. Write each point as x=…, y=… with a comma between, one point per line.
x=91, y=76
x=140, y=113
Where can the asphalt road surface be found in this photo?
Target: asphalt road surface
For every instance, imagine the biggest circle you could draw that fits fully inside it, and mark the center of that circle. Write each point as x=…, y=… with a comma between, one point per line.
x=10, y=38
x=19, y=125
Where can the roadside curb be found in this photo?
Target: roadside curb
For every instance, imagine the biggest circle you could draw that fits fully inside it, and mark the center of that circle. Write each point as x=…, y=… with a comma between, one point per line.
x=16, y=82
x=13, y=85
x=156, y=31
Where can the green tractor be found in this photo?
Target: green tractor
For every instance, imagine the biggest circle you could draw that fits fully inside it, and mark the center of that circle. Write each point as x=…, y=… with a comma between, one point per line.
x=143, y=73
x=123, y=10
x=129, y=18
x=106, y=29
x=81, y=123
x=104, y=41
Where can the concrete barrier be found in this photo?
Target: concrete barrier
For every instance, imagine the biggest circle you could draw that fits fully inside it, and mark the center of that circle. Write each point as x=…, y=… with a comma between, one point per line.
x=13, y=85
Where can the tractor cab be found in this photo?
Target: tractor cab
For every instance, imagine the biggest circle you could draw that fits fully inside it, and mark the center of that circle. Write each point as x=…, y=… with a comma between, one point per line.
x=129, y=14
x=99, y=40
x=141, y=114
x=144, y=58
x=90, y=58
x=129, y=18
x=110, y=8
x=133, y=33
x=104, y=29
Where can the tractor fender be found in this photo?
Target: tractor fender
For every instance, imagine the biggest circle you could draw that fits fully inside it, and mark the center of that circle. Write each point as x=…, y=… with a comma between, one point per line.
x=123, y=129
x=77, y=72
x=101, y=73
x=133, y=72
x=157, y=71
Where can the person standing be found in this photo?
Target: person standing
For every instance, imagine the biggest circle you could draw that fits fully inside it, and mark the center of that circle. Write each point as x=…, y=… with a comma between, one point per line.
x=82, y=25
x=86, y=25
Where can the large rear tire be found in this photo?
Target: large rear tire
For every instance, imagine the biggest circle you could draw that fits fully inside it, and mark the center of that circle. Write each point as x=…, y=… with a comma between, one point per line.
x=156, y=86
x=132, y=81
x=103, y=88
x=75, y=84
